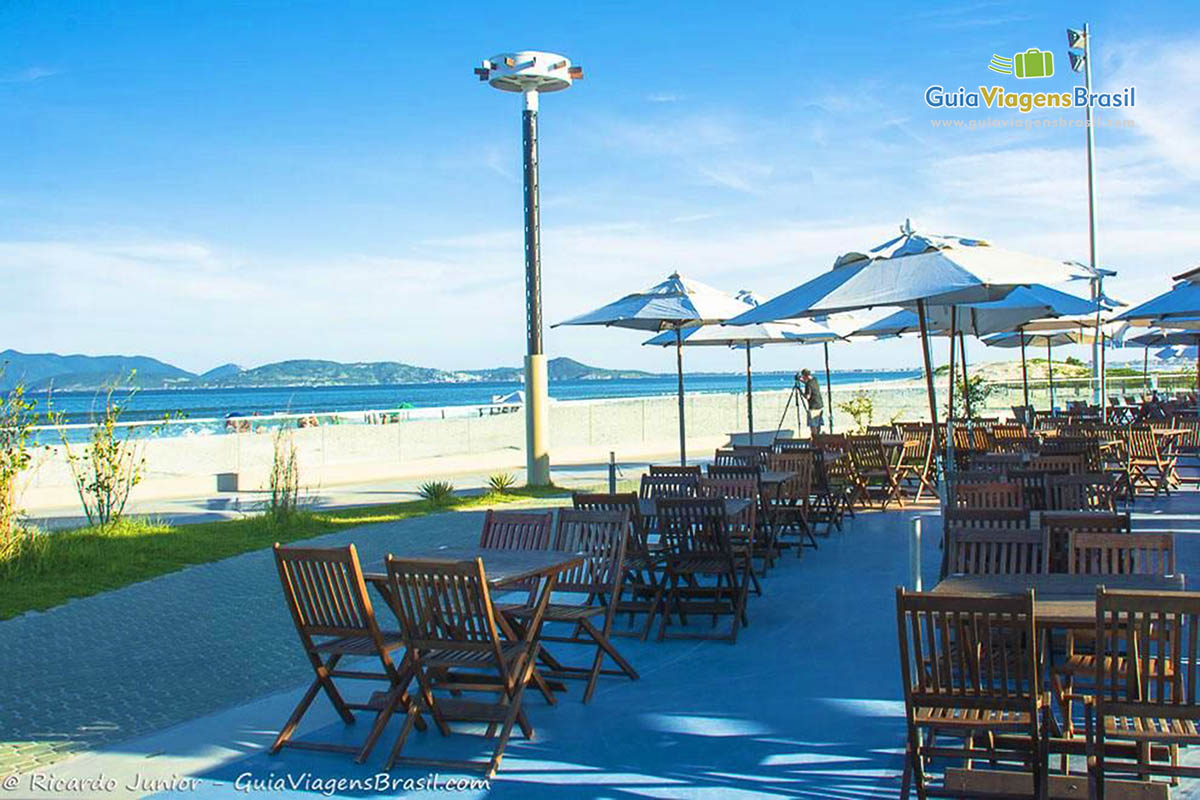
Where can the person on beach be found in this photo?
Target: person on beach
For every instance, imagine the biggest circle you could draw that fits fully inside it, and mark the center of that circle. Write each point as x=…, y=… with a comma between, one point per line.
x=811, y=391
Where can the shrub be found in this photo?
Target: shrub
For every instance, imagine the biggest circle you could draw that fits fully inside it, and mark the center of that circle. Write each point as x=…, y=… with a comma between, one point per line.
x=284, y=498
x=502, y=482
x=17, y=419
x=107, y=468
x=438, y=493
x=977, y=390
x=861, y=409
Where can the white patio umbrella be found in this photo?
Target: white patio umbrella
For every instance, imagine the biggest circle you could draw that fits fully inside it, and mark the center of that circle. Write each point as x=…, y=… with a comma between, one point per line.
x=672, y=305
x=914, y=269
x=747, y=337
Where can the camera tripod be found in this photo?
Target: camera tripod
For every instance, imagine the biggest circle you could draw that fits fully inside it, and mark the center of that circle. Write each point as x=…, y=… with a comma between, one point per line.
x=795, y=397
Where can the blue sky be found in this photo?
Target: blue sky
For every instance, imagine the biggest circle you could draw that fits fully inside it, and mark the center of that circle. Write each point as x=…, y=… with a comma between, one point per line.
x=209, y=182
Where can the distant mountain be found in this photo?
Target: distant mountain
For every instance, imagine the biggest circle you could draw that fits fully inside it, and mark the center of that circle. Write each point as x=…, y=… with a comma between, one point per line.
x=80, y=372
x=308, y=372
x=87, y=373
x=557, y=369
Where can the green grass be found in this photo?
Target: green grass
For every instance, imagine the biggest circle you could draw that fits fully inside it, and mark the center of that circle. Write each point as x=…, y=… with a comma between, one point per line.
x=87, y=561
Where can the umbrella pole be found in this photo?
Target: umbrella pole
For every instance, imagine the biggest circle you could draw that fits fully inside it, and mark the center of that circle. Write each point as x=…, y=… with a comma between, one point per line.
x=1024, y=369
x=1145, y=369
x=928, y=367
x=1103, y=378
x=828, y=389
x=679, y=369
x=749, y=396
x=1198, y=368
x=1050, y=371
x=962, y=346
x=950, y=409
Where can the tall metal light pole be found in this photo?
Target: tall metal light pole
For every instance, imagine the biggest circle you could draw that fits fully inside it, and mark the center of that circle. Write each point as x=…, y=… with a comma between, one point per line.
x=532, y=72
x=1079, y=44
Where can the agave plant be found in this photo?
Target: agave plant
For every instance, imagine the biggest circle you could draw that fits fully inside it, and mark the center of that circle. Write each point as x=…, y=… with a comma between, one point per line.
x=502, y=482
x=437, y=493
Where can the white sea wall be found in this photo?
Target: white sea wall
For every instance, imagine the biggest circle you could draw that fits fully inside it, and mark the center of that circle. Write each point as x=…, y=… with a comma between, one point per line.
x=581, y=431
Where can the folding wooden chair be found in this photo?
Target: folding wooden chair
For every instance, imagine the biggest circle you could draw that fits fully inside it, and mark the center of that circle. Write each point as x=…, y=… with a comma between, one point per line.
x=748, y=540
x=1145, y=465
x=734, y=458
x=600, y=536
x=655, y=486
x=328, y=601
x=454, y=644
x=987, y=495
x=642, y=564
x=757, y=453
x=996, y=519
x=790, y=508
x=970, y=670
x=998, y=552
x=1091, y=491
x=696, y=548
x=1146, y=673
x=1137, y=553
x=872, y=471
x=516, y=530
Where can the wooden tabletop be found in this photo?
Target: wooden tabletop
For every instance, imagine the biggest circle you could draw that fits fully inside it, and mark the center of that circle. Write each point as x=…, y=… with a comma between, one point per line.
x=500, y=566
x=774, y=476
x=733, y=507
x=1060, y=600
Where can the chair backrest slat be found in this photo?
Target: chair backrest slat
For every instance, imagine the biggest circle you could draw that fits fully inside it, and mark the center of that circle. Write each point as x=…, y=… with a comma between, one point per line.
x=655, y=486
x=1121, y=554
x=997, y=552
x=601, y=537
x=627, y=502
x=443, y=604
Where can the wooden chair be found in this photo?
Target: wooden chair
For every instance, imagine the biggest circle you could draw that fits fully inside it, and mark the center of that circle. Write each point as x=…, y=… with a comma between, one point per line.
x=790, y=508
x=1092, y=491
x=970, y=669
x=1059, y=527
x=733, y=458
x=516, y=530
x=793, y=445
x=997, y=462
x=329, y=605
x=654, y=487
x=676, y=471
x=454, y=644
x=997, y=552
x=883, y=431
x=749, y=541
x=1091, y=553
x=872, y=471
x=601, y=537
x=971, y=519
x=642, y=564
x=914, y=465
x=987, y=495
x=1144, y=464
x=736, y=472
x=1033, y=485
x=696, y=548
x=1146, y=675
x=757, y=453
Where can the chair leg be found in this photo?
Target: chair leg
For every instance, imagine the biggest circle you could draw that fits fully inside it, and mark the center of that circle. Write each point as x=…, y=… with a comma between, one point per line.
x=409, y=721
x=322, y=681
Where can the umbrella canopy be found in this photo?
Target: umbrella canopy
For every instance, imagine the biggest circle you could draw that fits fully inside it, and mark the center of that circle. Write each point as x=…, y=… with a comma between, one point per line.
x=1040, y=339
x=1023, y=304
x=1182, y=300
x=937, y=270
x=1176, y=351
x=672, y=304
x=745, y=337
x=1161, y=338
x=676, y=302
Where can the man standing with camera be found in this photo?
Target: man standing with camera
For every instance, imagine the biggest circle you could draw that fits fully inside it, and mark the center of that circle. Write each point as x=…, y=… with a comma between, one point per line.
x=810, y=390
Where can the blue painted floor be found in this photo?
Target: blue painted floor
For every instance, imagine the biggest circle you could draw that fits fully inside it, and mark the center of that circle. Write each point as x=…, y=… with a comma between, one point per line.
x=806, y=704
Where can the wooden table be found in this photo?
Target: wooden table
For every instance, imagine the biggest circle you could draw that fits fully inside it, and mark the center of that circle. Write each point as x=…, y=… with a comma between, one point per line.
x=499, y=567
x=1060, y=600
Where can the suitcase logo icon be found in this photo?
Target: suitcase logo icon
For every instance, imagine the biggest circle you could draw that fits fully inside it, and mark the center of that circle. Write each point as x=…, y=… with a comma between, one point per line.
x=1033, y=63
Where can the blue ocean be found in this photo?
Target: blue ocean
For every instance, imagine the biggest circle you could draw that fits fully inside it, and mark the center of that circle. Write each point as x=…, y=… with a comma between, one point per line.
x=209, y=404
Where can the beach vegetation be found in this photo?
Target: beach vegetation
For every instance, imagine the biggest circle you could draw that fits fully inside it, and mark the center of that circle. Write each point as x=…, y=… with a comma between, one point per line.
x=18, y=416
x=109, y=465
x=977, y=390
x=283, y=499
x=502, y=482
x=437, y=493
x=861, y=409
